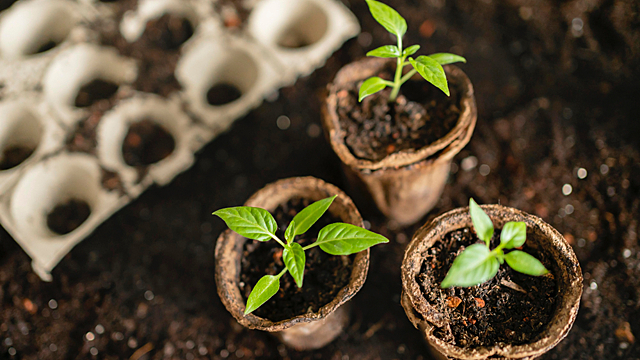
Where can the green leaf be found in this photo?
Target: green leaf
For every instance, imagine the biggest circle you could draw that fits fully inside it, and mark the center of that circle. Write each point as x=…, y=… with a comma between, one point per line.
x=481, y=222
x=513, y=234
x=265, y=288
x=387, y=51
x=522, y=262
x=309, y=215
x=346, y=239
x=474, y=266
x=431, y=71
x=294, y=258
x=371, y=86
x=251, y=222
x=290, y=233
x=446, y=58
x=410, y=50
x=388, y=18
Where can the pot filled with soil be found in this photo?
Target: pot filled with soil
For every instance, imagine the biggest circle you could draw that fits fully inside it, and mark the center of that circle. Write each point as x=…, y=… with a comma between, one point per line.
x=400, y=151
x=306, y=317
x=510, y=316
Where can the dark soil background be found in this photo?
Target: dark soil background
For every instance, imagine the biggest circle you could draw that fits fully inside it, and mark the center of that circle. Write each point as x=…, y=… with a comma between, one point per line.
x=557, y=90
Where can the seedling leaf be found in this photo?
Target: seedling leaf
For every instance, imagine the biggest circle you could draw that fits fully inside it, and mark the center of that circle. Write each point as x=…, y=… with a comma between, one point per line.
x=387, y=51
x=410, y=50
x=371, y=86
x=347, y=239
x=265, y=288
x=251, y=222
x=481, y=222
x=294, y=258
x=446, y=58
x=474, y=266
x=431, y=71
x=388, y=18
x=290, y=233
x=522, y=262
x=309, y=215
x=513, y=234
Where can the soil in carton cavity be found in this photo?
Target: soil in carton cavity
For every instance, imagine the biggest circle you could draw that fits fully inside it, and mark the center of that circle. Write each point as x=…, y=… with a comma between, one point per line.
x=223, y=93
x=376, y=128
x=146, y=143
x=324, y=276
x=95, y=91
x=168, y=31
x=66, y=217
x=512, y=307
x=13, y=156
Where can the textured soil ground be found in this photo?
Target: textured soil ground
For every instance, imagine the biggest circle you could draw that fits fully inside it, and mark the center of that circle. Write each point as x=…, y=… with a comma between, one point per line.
x=557, y=87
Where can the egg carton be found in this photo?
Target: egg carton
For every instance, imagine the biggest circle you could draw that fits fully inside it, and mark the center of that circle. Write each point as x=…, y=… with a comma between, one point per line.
x=51, y=49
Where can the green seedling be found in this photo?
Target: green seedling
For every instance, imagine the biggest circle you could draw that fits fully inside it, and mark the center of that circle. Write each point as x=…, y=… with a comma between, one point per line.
x=478, y=263
x=259, y=224
x=430, y=67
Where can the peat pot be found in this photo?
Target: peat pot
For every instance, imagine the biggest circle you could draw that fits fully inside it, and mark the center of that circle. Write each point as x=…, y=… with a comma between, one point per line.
x=310, y=330
x=405, y=184
x=543, y=241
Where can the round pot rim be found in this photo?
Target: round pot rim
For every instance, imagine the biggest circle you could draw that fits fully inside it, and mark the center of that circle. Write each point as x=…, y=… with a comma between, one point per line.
x=467, y=118
x=427, y=318
x=227, y=265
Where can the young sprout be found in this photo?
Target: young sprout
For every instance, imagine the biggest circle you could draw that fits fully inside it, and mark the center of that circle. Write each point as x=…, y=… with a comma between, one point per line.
x=259, y=224
x=477, y=263
x=430, y=67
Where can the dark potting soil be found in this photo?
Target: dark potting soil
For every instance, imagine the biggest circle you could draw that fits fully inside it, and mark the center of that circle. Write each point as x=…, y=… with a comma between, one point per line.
x=221, y=94
x=376, y=128
x=46, y=46
x=14, y=156
x=511, y=308
x=95, y=91
x=168, y=32
x=68, y=216
x=146, y=143
x=325, y=275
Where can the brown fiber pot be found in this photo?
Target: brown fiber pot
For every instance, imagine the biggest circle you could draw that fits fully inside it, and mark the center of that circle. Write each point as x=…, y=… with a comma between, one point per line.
x=407, y=184
x=565, y=268
x=311, y=330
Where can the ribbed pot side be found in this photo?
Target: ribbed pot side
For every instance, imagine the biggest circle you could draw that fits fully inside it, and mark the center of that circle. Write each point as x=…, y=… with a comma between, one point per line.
x=565, y=268
x=407, y=184
x=311, y=330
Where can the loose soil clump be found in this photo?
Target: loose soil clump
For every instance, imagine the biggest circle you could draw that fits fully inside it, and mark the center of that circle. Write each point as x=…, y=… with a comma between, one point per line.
x=376, y=128
x=325, y=275
x=146, y=143
x=66, y=217
x=511, y=308
x=13, y=156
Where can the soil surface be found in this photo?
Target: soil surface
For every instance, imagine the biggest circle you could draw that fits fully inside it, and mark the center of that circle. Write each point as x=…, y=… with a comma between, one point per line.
x=375, y=128
x=324, y=275
x=95, y=91
x=146, y=143
x=221, y=94
x=68, y=216
x=556, y=107
x=14, y=155
x=511, y=308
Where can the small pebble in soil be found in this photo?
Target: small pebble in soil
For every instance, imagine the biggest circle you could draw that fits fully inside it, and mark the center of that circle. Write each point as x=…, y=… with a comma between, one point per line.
x=604, y=169
x=582, y=173
x=53, y=304
x=567, y=189
x=484, y=169
x=468, y=163
x=283, y=122
x=626, y=253
x=99, y=329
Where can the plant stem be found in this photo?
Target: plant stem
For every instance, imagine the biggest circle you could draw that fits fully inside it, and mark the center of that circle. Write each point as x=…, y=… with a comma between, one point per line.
x=408, y=76
x=398, y=75
x=282, y=272
x=274, y=237
x=310, y=246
